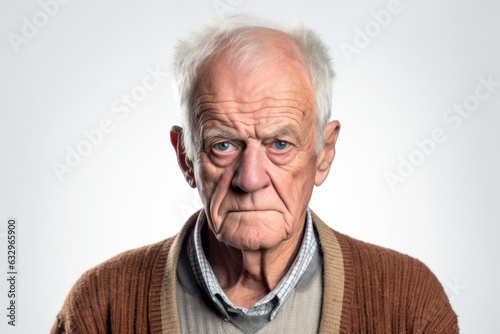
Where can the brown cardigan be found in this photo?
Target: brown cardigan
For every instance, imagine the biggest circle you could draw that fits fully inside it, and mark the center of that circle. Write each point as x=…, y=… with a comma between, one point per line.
x=367, y=289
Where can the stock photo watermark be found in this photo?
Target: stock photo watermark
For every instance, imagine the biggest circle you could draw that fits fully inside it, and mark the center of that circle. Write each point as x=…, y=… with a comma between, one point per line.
x=453, y=117
x=365, y=34
x=186, y=210
x=453, y=289
x=31, y=26
x=12, y=271
x=225, y=6
x=121, y=107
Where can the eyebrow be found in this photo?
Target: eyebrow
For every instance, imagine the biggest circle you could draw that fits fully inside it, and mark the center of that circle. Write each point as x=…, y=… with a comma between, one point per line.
x=220, y=133
x=285, y=131
x=217, y=133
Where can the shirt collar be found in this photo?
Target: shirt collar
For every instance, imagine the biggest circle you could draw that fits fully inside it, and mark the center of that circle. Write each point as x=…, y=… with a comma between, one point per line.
x=270, y=304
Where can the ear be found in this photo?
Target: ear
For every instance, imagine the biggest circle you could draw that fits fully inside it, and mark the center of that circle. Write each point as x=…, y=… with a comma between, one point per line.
x=186, y=165
x=325, y=157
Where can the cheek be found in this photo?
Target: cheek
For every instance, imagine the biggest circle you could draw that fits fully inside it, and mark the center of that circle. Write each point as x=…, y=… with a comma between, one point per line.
x=295, y=182
x=214, y=207
x=214, y=183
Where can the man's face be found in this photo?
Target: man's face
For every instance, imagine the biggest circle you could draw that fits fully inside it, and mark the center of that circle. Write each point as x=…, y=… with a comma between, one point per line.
x=257, y=164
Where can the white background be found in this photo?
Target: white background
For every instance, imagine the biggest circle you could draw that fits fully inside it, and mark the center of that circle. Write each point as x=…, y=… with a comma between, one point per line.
x=128, y=191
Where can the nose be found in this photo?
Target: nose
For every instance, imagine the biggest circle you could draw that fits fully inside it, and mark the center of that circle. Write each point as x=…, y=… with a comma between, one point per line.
x=251, y=175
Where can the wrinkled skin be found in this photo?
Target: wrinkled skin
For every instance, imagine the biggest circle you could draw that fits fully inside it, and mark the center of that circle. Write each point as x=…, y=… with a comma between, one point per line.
x=256, y=169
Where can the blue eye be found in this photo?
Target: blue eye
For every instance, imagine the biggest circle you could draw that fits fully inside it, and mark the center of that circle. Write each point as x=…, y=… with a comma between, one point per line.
x=280, y=145
x=223, y=146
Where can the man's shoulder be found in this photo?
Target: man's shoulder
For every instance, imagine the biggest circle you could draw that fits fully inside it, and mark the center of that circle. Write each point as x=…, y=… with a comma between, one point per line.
x=358, y=253
x=135, y=265
x=129, y=284
x=121, y=282
x=141, y=264
x=139, y=260
x=142, y=259
x=375, y=260
x=366, y=251
x=386, y=270
x=378, y=278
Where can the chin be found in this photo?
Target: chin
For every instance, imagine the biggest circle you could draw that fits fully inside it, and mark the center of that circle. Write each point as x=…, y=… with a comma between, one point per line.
x=248, y=230
x=250, y=241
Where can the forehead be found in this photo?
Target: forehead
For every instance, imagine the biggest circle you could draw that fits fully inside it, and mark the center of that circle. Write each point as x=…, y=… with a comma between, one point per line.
x=276, y=79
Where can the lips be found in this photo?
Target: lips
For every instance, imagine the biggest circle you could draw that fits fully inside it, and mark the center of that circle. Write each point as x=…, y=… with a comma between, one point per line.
x=249, y=210
x=245, y=211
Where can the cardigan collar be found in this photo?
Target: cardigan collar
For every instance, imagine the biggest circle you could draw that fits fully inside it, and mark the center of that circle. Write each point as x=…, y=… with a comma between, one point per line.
x=164, y=317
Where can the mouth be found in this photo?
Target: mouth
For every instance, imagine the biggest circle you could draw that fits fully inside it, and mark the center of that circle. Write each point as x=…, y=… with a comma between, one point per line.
x=249, y=210
x=238, y=211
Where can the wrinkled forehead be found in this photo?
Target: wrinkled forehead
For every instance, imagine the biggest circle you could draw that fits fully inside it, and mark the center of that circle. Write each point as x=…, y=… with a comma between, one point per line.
x=275, y=85
x=252, y=67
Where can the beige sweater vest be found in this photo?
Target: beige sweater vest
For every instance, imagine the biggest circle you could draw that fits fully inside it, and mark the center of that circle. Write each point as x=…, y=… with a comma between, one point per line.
x=299, y=314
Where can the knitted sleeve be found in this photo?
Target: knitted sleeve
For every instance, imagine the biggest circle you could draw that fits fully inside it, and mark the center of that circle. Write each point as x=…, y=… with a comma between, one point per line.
x=112, y=297
x=389, y=292
x=86, y=307
x=433, y=312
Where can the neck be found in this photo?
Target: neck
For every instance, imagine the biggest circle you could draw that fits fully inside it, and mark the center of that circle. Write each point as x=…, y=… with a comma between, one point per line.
x=247, y=276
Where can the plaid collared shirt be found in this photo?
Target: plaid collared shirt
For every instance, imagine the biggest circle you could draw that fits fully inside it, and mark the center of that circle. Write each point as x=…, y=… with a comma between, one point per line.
x=272, y=302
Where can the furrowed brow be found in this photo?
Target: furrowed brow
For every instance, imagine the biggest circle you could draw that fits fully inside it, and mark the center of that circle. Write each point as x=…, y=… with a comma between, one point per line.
x=286, y=131
x=217, y=133
x=212, y=133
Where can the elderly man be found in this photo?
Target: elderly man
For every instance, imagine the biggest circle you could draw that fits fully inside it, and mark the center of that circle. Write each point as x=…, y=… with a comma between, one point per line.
x=255, y=100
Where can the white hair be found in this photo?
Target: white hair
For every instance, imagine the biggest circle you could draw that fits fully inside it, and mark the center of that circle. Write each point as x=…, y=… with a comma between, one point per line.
x=242, y=37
